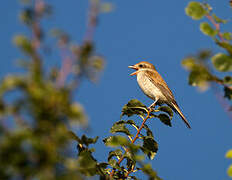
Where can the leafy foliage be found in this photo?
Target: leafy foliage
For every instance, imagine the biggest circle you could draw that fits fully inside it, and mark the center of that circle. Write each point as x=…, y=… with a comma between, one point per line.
x=132, y=160
x=34, y=128
x=201, y=69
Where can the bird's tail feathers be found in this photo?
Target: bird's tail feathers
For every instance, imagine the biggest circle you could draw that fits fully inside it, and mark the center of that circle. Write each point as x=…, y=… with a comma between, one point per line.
x=177, y=109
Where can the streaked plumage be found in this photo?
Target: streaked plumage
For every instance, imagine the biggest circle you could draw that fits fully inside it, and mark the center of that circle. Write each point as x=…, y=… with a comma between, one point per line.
x=153, y=85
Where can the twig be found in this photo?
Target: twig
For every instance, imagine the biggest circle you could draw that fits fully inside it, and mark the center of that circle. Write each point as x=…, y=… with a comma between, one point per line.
x=133, y=141
x=216, y=25
x=68, y=60
x=92, y=21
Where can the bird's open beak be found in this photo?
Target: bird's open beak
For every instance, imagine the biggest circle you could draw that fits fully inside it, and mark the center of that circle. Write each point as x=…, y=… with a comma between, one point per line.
x=133, y=67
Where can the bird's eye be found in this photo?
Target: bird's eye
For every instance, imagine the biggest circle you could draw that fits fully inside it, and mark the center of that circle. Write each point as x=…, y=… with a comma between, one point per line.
x=140, y=65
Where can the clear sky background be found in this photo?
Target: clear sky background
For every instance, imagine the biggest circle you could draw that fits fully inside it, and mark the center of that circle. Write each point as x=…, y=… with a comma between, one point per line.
x=158, y=32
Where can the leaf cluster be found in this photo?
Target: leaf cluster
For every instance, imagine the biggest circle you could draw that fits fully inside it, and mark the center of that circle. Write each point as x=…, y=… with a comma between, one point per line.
x=201, y=66
x=129, y=155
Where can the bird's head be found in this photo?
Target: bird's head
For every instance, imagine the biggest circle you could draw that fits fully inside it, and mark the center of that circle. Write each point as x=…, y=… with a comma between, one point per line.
x=142, y=66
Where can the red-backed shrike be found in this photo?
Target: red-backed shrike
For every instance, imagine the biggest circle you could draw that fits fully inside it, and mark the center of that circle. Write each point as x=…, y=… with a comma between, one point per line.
x=153, y=85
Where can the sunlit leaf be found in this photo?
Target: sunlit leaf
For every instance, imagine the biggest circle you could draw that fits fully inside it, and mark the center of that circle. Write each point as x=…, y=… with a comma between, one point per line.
x=227, y=36
x=229, y=154
x=222, y=62
x=189, y=63
x=195, y=10
x=147, y=169
x=207, y=29
x=115, y=141
x=219, y=20
x=24, y=43
x=229, y=171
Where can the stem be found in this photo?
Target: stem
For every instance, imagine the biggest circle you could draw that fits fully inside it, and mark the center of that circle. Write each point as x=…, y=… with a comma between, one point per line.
x=133, y=141
x=216, y=25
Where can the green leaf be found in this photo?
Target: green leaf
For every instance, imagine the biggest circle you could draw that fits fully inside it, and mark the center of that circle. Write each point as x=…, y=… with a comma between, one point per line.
x=165, y=119
x=166, y=109
x=148, y=131
x=27, y=16
x=195, y=10
x=222, y=62
x=74, y=137
x=116, y=153
x=102, y=169
x=229, y=154
x=219, y=20
x=228, y=93
x=120, y=127
x=207, y=29
x=133, y=107
x=199, y=76
x=226, y=46
x=227, y=36
x=150, y=147
x=87, y=165
x=12, y=82
x=229, y=171
x=114, y=164
x=147, y=169
x=189, y=63
x=227, y=80
x=132, y=123
x=115, y=141
x=87, y=141
x=24, y=44
x=204, y=54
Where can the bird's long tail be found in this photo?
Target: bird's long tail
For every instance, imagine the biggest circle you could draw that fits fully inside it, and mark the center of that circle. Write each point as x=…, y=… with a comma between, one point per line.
x=177, y=109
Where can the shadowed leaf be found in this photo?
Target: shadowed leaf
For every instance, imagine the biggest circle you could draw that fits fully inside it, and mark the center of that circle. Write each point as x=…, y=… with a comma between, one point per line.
x=120, y=127
x=166, y=109
x=150, y=147
x=115, y=153
x=165, y=119
x=133, y=107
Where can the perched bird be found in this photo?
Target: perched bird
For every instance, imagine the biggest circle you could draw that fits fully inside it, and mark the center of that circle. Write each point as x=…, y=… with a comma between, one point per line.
x=153, y=85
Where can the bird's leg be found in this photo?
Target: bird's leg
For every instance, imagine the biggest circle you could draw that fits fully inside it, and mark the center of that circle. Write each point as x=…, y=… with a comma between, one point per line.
x=153, y=104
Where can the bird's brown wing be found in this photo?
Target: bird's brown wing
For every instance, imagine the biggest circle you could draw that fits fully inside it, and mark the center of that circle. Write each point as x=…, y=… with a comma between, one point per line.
x=158, y=81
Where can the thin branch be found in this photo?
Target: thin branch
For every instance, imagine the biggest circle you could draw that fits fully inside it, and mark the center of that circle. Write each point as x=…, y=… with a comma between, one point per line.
x=133, y=141
x=92, y=21
x=68, y=60
x=216, y=25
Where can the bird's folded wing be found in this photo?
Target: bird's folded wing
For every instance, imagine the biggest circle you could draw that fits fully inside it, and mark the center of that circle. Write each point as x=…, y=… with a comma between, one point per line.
x=158, y=81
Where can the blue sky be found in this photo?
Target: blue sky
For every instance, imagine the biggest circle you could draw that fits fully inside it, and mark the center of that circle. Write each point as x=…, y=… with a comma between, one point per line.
x=158, y=32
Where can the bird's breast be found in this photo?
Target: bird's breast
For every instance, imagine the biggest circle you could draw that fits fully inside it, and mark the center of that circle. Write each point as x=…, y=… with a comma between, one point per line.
x=148, y=87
